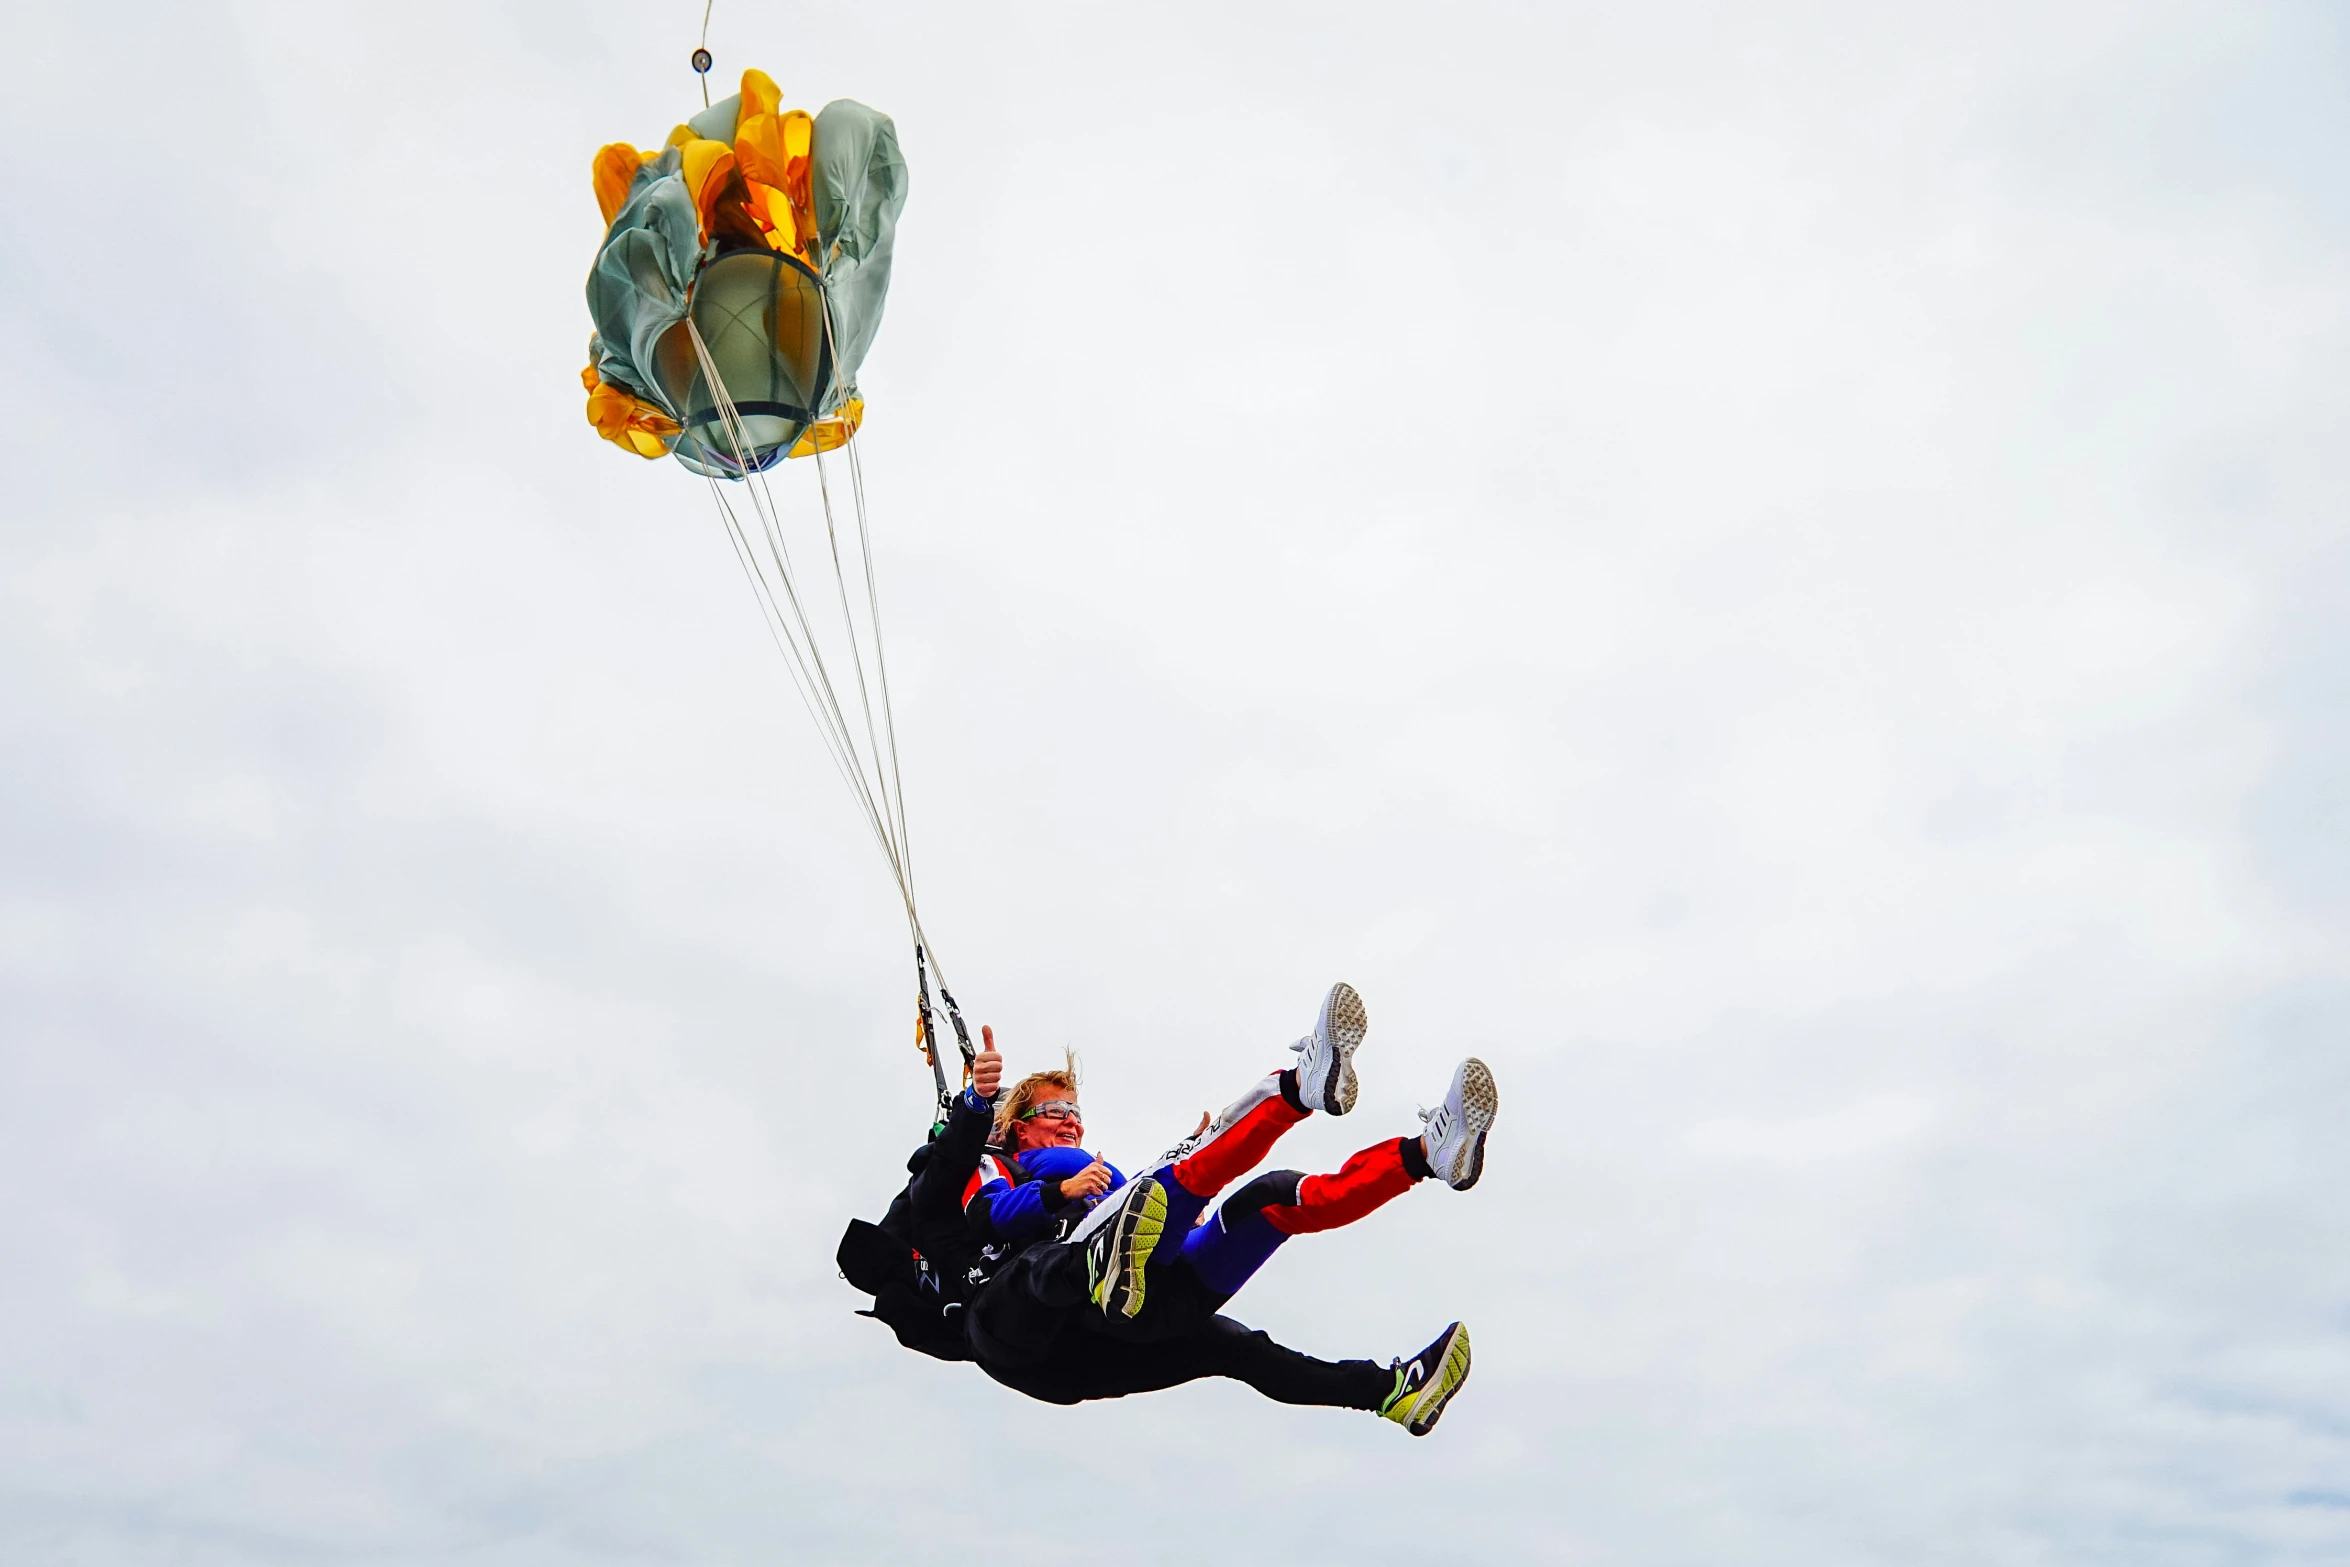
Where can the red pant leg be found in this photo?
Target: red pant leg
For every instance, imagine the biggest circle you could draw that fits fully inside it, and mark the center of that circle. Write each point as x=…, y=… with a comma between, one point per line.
x=1324, y=1202
x=1237, y=1141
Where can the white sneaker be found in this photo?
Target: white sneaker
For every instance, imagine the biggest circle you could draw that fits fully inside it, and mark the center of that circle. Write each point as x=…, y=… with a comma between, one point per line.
x=1455, y=1132
x=1326, y=1057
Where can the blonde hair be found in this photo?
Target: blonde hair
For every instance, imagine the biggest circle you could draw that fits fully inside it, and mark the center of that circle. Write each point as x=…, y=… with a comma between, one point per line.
x=1031, y=1090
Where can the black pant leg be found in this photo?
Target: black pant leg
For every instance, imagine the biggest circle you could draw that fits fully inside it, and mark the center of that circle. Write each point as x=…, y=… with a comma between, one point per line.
x=1017, y=1318
x=1287, y=1376
x=1084, y=1366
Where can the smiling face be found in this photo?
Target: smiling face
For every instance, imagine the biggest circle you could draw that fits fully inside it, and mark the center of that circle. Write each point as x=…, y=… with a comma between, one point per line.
x=1017, y=1130
x=1050, y=1123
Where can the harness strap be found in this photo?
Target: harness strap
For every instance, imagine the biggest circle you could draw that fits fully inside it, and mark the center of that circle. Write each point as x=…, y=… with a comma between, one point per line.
x=926, y=1036
x=926, y=1039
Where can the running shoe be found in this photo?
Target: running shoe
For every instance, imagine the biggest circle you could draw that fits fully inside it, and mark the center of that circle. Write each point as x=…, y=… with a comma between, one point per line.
x=1326, y=1057
x=1426, y=1383
x=1118, y=1253
x=1455, y=1132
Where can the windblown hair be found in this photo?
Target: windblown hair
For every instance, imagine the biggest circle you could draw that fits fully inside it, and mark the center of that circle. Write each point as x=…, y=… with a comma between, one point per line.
x=1035, y=1088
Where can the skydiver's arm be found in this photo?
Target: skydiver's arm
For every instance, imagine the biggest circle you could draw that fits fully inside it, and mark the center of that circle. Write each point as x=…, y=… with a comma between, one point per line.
x=1002, y=1213
x=954, y=1158
x=1015, y=1214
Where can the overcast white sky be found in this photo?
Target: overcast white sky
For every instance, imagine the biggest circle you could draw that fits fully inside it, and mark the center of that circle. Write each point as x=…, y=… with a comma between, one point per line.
x=1779, y=573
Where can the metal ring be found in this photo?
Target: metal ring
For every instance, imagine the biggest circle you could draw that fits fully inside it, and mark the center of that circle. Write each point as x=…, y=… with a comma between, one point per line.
x=702, y=61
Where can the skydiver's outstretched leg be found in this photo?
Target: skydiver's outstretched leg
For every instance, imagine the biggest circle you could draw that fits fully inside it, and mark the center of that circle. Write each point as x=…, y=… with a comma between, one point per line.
x=1250, y=1225
x=1169, y=1197
x=1237, y=1141
x=1253, y=1222
x=1089, y=1366
x=1413, y=1393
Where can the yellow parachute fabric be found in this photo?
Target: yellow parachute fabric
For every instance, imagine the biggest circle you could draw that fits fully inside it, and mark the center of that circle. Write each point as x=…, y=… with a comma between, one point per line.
x=624, y=421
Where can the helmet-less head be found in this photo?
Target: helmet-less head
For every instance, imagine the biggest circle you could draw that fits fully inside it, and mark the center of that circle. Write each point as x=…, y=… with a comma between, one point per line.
x=1040, y=1111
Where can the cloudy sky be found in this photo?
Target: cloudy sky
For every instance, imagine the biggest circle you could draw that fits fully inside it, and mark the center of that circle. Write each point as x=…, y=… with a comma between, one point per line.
x=1780, y=573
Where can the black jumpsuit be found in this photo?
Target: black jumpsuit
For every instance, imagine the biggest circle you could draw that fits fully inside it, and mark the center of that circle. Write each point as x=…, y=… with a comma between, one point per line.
x=1029, y=1325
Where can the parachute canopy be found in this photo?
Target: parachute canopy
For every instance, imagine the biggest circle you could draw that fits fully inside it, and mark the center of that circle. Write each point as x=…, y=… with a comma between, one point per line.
x=765, y=233
x=739, y=285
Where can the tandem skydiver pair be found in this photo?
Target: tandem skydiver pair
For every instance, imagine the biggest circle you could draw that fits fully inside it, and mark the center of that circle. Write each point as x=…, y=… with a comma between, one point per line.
x=740, y=282
x=1013, y=1247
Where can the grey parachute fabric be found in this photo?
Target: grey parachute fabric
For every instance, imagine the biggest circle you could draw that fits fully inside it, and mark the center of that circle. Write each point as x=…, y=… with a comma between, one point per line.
x=643, y=275
x=761, y=312
x=860, y=186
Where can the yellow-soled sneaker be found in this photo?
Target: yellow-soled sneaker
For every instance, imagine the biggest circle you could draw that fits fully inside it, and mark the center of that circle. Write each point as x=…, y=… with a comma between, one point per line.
x=1426, y=1383
x=1118, y=1252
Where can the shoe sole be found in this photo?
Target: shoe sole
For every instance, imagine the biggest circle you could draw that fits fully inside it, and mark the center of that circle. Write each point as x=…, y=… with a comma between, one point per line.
x=1480, y=1103
x=1428, y=1405
x=1140, y=1223
x=1345, y=1020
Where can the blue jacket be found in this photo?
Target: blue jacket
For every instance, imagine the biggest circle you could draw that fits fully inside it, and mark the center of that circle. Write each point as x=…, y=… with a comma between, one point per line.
x=1010, y=1203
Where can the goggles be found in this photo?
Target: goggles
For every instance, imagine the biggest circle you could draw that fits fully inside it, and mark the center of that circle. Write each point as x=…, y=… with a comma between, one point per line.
x=1054, y=1110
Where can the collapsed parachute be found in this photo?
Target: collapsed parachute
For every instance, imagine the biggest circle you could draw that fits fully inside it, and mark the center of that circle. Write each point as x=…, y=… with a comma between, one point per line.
x=766, y=233
x=738, y=288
